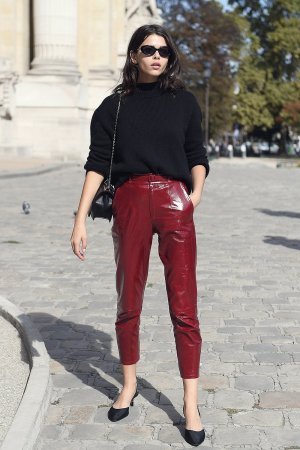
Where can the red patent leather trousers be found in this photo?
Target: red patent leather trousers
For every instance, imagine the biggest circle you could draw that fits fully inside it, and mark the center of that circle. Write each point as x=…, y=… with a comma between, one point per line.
x=142, y=206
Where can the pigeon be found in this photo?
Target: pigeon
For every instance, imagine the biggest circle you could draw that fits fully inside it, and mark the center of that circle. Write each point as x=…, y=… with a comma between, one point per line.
x=26, y=207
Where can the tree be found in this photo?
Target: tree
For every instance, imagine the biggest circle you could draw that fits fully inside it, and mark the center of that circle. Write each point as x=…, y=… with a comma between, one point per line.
x=268, y=74
x=203, y=32
x=291, y=115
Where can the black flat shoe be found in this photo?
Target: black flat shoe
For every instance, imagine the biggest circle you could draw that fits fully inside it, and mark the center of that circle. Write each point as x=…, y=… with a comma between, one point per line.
x=115, y=414
x=193, y=437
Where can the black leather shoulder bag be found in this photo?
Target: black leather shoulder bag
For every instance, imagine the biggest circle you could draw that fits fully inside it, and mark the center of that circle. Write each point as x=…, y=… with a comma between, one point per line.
x=101, y=205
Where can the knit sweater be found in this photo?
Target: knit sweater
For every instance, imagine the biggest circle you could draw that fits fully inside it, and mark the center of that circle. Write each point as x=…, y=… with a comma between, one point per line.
x=156, y=133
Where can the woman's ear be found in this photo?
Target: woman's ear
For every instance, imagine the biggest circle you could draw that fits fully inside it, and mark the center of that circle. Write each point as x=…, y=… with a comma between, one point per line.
x=132, y=57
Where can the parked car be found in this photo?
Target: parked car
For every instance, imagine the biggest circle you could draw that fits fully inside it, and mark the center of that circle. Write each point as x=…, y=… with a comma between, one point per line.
x=274, y=148
x=223, y=149
x=263, y=147
x=296, y=145
x=255, y=148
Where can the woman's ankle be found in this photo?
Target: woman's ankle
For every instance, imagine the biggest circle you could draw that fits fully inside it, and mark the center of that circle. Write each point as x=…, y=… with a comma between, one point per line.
x=130, y=384
x=190, y=401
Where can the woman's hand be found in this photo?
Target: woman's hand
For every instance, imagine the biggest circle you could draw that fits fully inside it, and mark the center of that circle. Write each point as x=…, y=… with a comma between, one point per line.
x=198, y=178
x=79, y=239
x=195, y=199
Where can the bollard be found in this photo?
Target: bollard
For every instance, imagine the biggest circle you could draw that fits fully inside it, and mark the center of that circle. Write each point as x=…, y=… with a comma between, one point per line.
x=243, y=151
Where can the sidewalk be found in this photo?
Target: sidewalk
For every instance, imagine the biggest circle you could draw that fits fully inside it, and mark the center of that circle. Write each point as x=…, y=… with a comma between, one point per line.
x=263, y=161
x=35, y=166
x=16, y=167
x=14, y=372
x=25, y=383
x=248, y=269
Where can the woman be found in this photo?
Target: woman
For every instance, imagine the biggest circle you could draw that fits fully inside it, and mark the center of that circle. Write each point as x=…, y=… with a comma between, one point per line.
x=159, y=169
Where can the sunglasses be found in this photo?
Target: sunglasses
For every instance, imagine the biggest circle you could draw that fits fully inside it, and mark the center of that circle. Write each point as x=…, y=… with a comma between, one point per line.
x=149, y=50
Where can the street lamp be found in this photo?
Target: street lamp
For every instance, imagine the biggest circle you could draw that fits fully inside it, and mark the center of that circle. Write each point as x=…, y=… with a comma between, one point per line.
x=206, y=76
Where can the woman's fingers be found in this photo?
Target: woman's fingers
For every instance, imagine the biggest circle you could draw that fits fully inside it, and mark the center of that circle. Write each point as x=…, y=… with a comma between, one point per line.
x=77, y=250
x=83, y=246
x=78, y=243
x=84, y=243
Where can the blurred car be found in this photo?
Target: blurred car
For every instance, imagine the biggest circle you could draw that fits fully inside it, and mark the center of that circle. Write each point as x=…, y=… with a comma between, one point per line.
x=263, y=147
x=296, y=145
x=274, y=148
x=255, y=148
x=237, y=150
x=223, y=149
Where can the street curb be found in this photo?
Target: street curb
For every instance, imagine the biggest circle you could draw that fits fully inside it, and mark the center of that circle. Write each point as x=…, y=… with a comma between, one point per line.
x=38, y=170
x=33, y=406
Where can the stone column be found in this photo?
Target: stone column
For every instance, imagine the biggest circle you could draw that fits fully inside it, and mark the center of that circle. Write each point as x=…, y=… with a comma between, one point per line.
x=100, y=42
x=55, y=37
x=140, y=12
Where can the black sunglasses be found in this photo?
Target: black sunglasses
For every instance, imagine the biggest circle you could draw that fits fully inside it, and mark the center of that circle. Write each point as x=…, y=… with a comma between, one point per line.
x=149, y=50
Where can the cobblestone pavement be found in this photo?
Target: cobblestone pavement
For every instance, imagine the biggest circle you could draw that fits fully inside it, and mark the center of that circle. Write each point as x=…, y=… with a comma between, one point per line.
x=248, y=298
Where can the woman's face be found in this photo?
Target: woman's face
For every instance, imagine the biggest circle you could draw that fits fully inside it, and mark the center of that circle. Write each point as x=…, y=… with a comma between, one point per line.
x=147, y=71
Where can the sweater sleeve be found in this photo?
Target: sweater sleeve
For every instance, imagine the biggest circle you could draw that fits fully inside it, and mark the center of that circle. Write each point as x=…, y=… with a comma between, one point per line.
x=101, y=136
x=194, y=146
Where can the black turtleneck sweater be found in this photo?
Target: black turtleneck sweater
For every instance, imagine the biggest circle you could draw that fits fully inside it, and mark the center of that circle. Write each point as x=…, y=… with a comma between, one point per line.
x=155, y=133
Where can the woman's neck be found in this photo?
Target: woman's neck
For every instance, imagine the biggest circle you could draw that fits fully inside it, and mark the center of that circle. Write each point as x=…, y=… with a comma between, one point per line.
x=151, y=88
x=145, y=79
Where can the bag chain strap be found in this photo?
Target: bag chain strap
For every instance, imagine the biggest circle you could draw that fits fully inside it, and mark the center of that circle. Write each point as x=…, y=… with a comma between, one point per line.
x=113, y=145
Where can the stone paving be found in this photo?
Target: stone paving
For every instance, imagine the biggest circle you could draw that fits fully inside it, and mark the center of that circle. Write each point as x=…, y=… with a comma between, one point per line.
x=248, y=299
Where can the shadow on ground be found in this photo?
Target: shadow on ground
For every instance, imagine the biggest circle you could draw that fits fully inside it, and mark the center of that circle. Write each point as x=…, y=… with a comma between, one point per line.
x=283, y=241
x=86, y=352
x=270, y=212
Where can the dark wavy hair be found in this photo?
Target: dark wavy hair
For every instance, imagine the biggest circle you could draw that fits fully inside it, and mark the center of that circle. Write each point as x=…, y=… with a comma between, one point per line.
x=169, y=80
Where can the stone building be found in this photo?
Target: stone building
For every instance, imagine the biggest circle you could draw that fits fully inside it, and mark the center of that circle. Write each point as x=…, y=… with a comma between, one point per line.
x=58, y=60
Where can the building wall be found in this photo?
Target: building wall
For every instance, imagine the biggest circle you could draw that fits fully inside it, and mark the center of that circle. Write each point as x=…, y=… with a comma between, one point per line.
x=58, y=60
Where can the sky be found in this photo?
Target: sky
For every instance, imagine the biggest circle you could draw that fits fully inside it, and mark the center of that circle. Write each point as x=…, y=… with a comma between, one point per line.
x=224, y=3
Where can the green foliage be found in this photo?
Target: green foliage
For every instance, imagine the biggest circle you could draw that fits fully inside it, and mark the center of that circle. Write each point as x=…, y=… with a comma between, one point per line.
x=269, y=68
x=203, y=32
x=257, y=45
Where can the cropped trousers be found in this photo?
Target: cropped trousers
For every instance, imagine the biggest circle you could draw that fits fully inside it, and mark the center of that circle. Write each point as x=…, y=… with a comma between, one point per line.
x=144, y=205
